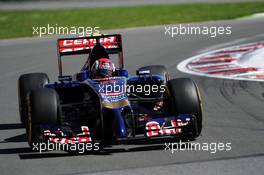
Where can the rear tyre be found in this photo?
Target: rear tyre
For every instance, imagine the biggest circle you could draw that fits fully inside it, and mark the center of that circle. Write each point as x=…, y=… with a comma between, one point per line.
x=157, y=70
x=186, y=100
x=27, y=83
x=44, y=109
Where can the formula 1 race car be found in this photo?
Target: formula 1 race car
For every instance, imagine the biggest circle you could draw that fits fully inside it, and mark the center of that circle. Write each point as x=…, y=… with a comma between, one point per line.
x=102, y=103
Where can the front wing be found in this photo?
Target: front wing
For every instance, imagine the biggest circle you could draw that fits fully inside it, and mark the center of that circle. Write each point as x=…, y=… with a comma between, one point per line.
x=158, y=127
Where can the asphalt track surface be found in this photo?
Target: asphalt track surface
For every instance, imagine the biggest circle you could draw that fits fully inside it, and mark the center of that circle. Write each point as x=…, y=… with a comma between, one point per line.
x=233, y=110
x=63, y=4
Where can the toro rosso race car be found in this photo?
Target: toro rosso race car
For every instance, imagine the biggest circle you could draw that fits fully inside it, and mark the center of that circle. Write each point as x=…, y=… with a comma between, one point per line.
x=103, y=103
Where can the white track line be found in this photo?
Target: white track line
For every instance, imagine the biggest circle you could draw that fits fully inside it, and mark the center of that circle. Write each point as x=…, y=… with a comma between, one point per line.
x=220, y=67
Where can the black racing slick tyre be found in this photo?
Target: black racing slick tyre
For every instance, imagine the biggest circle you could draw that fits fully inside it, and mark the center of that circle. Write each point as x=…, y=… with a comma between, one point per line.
x=157, y=70
x=186, y=99
x=44, y=109
x=27, y=83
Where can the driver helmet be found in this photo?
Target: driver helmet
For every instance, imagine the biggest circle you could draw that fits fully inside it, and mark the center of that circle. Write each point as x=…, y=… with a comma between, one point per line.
x=102, y=68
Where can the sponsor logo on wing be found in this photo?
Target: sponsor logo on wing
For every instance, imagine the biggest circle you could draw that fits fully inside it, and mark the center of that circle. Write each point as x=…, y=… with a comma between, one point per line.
x=69, y=45
x=82, y=137
x=70, y=140
x=85, y=131
x=153, y=128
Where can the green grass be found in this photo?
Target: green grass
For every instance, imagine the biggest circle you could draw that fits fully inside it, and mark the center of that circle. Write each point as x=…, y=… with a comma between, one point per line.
x=20, y=23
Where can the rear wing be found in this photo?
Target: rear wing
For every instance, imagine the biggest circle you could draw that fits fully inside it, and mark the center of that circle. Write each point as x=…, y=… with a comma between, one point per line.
x=83, y=45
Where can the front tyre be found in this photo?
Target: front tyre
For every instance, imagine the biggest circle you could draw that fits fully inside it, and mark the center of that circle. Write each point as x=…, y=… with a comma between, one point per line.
x=27, y=83
x=185, y=99
x=44, y=109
